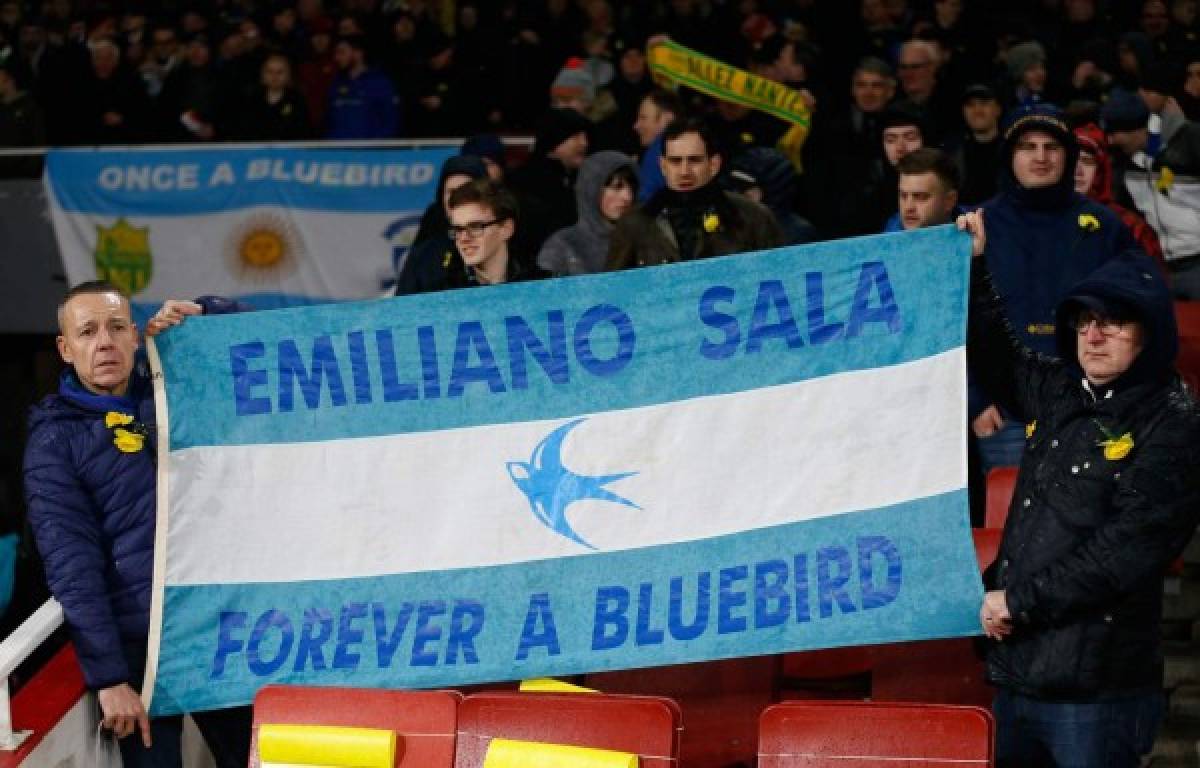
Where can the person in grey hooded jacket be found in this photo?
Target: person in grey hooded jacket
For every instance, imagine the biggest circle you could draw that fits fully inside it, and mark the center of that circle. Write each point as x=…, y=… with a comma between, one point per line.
x=606, y=188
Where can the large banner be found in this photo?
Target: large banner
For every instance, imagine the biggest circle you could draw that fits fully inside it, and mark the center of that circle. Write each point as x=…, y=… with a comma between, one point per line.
x=274, y=227
x=740, y=456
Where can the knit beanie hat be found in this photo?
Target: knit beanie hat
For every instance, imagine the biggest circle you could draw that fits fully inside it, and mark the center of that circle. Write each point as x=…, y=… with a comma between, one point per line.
x=1022, y=56
x=486, y=145
x=573, y=81
x=903, y=112
x=555, y=127
x=1124, y=111
x=1036, y=117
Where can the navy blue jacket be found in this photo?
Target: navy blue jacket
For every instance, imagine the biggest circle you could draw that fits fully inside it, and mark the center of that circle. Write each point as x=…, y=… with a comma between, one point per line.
x=92, y=508
x=1040, y=243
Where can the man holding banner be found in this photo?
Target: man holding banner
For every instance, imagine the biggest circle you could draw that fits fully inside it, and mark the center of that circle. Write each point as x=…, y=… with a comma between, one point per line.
x=1107, y=496
x=90, y=479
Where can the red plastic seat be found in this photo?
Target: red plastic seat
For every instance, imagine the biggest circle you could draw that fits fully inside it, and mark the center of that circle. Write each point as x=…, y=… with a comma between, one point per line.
x=720, y=702
x=425, y=721
x=1187, y=316
x=987, y=545
x=1001, y=482
x=644, y=725
x=845, y=734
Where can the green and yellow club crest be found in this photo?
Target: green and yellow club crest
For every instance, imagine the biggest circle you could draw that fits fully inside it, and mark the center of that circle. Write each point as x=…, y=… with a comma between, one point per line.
x=123, y=256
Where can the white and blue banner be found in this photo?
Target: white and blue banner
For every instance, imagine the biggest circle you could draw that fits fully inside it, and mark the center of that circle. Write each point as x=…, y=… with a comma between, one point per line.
x=273, y=227
x=740, y=456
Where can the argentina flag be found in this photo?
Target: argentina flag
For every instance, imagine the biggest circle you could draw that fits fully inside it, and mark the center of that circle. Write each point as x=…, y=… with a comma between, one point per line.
x=272, y=227
x=739, y=456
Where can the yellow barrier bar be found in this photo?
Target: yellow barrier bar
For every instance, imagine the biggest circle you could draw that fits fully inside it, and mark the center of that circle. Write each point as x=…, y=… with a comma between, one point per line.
x=507, y=753
x=550, y=685
x=327, y=745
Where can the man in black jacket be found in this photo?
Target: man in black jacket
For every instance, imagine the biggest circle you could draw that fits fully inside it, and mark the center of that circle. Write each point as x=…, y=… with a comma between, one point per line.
x=1107, y=495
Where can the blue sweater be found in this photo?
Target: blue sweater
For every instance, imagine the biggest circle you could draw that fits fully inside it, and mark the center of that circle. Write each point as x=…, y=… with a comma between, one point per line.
x=364, y=107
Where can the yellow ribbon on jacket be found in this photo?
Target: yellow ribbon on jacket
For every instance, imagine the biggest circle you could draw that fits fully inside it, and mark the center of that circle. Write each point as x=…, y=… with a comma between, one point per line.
x=509, y=753
x=674, y=63
x=326, y=745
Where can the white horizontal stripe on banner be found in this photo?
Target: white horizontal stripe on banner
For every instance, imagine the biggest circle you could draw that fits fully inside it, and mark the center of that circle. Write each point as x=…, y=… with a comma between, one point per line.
x=398, y=504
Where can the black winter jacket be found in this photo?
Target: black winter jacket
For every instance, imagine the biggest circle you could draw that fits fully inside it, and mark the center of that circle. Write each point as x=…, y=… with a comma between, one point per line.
x=1092, y=526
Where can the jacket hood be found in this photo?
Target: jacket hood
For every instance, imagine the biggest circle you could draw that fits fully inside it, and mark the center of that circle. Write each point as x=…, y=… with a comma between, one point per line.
x=1133, y=285
x=594, y=172
x=73, y=400
x=1092, y=141
x=434, y=220
x=772, y=172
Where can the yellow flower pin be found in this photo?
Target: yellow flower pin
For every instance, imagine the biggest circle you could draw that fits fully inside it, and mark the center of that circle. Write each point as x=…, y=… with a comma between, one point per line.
x=128, y=442
x=1116, y=449
x=117, y=419
x=1088, y=222
x=1030, y=428
x=1166, y=179
x=711, y=223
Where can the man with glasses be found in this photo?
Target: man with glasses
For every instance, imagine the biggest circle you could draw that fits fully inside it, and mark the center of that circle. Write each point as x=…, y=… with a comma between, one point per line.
x=1108, y=494
x=917, y=69
x=483, y=221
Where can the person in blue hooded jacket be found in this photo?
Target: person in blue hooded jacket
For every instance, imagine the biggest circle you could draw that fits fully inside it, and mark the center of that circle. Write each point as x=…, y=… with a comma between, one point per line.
x=90, y=475
x=1043, y=237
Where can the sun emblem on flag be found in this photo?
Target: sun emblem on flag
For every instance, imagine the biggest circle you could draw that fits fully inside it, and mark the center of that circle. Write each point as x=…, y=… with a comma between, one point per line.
x=264, y=246
x=123, y=256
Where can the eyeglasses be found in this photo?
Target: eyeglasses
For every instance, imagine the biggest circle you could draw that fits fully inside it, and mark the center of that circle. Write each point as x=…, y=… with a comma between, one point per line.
x=472, y=229
x=1107, y=326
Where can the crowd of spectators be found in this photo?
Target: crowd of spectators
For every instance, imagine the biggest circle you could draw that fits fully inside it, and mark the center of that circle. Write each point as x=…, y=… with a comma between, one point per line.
x=934, y=73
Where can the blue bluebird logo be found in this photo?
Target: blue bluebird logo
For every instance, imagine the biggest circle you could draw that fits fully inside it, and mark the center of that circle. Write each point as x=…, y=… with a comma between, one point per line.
x=551, y=487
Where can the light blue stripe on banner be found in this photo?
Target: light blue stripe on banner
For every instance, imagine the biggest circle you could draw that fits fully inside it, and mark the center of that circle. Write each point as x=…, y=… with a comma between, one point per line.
x=559, y=348
x=204, y=180
x=906, y=572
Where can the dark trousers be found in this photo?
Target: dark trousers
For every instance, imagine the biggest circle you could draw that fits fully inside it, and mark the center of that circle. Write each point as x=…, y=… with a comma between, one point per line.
x=1111, y=732
x=225, y=731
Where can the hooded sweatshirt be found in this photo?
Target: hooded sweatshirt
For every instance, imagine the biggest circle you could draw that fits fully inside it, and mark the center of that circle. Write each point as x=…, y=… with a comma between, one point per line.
x=1092, y=141
x=582, y=248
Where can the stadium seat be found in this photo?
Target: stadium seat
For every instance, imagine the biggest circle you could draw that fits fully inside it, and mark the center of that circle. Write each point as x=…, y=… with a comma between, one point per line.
x=987, y=545
x=644, y=725
x=1000, y=484
x=1187, y=316
x=833, y=673
x=425, y=721
x=844, y=734
x=720, y=702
